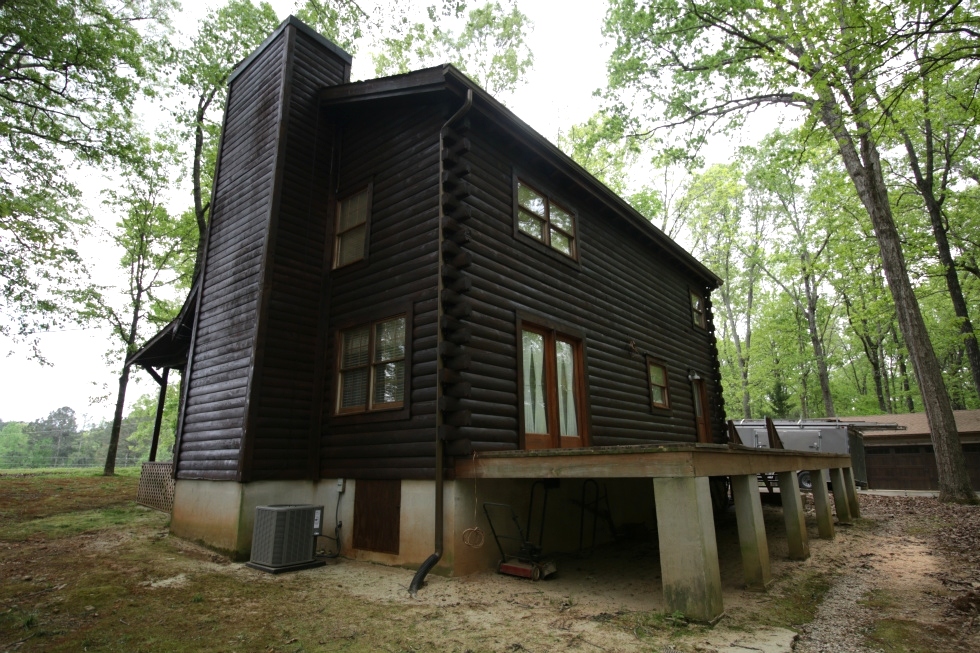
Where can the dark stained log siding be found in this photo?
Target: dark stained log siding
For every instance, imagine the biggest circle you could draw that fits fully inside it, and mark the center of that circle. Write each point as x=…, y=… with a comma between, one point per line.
x=397, y=151
x=248, y=410
x=283, y=424
x=624, y=289
x=213, y=419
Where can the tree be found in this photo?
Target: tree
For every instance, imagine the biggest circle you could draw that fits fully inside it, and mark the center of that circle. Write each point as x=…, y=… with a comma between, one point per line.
x=727, y=234
x=803, y=232
x=489, y=46
x=142, y=418
x=69, y=73
x=13, y=444
x=841, y=63
x=600, y=146
x=935, y=120
x=49, y=440
x=226, y=36
x=157, y=251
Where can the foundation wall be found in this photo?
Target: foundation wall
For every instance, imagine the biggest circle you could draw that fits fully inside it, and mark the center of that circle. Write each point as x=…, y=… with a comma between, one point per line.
x=221, y=514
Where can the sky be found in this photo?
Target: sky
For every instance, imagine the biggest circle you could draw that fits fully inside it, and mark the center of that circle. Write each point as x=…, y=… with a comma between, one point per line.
x=569, y=65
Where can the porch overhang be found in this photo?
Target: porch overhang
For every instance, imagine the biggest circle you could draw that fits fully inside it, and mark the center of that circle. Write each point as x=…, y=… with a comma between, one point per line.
x=644, y=461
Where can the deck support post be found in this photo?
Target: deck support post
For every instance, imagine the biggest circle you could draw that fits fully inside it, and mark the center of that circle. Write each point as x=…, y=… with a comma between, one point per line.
x=751, y=532
x=796, y=538
x=821, y=500
x=688, y=548
x=840, y=496
x=851, y=491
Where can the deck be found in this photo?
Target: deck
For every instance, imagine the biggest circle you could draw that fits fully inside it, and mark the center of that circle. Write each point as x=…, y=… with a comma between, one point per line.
x=685, y=522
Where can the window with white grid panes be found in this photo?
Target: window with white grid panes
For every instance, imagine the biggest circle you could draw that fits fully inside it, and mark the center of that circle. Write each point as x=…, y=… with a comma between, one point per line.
x=545, y=220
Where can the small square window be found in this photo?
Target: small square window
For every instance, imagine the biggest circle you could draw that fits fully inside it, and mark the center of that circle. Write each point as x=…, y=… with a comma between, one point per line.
x=352, y=214
x=657, y=377
x=541, y=218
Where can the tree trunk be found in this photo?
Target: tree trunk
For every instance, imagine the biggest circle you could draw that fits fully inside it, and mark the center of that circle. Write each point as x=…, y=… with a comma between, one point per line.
x=740, y=358
x=110, y=458
x=924, y=182
x=817, y=344
x=865, y=172
x=904, y=373
x=200, y=207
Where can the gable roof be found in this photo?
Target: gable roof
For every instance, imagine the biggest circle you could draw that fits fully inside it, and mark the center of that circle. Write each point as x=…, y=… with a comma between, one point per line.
x=448, y=80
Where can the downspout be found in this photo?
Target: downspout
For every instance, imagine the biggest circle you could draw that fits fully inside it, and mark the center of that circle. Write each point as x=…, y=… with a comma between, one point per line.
x=440, y=472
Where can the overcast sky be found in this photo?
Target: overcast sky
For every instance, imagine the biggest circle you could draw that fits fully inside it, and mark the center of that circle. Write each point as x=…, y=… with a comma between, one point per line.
x=569, y=64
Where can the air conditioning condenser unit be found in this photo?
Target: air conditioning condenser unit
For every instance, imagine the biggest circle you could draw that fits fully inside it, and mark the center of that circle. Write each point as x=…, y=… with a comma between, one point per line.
x=283, y=538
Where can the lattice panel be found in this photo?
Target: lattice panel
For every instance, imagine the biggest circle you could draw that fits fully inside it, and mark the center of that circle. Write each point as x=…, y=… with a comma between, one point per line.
x=156, y=488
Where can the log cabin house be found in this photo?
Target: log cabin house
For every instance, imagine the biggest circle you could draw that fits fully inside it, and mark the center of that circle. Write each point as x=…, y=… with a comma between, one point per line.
x=412, y=303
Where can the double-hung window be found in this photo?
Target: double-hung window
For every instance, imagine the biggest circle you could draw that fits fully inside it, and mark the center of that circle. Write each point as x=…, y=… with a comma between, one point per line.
x=352, y=228
x=697, y=310
x=657, y=376
x=552, y=388
x=372, y=366
x=543, y=219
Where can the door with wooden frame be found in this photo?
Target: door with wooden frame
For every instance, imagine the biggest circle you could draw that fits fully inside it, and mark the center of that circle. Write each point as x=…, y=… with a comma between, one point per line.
x=552, y=373
x=701, y=417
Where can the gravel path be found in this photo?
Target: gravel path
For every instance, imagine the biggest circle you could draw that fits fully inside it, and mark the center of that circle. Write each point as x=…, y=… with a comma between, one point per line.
x=840, y=621
x=908, y=582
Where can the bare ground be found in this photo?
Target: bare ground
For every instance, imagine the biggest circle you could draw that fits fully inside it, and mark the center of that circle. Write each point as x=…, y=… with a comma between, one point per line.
x=906, y=577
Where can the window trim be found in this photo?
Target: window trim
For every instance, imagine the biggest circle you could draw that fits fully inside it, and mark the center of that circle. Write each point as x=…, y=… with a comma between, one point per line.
x=698, y=317
x=545, y=245
x=654, y=406
x=553, y=333
x=372, y=316
x=341, y=197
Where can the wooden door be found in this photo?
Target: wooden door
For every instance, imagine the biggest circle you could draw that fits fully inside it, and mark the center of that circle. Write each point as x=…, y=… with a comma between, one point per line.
x=377, y=515
x=701, y=410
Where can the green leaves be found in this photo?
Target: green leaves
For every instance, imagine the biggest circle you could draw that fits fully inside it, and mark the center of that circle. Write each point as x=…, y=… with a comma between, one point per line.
x=157, y=250
x=486, y=43
x=69, y=73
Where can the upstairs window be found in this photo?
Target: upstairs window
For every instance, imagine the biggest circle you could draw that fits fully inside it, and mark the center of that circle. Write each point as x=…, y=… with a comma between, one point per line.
x=372, y=366
x=352, y=218
x=544, y=220
x=657, y=375
x=697, y=310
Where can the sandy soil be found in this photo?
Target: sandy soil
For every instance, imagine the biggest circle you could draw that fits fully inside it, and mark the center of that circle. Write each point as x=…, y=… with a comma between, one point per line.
x=906, y=577
x=893, y=577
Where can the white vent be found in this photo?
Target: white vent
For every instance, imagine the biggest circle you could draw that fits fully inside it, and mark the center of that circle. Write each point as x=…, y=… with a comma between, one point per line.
x=283, y=535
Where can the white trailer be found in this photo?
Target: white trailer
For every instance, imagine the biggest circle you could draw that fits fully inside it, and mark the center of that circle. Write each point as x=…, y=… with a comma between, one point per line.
x=826, y=436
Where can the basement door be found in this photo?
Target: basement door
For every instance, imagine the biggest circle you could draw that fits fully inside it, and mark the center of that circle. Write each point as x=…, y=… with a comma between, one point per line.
x=377, y=515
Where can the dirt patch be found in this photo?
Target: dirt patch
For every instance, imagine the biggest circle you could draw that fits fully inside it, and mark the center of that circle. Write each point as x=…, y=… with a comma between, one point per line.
x=903, y=578
x=902, y=574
